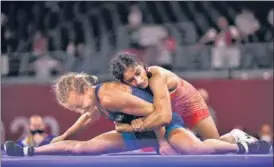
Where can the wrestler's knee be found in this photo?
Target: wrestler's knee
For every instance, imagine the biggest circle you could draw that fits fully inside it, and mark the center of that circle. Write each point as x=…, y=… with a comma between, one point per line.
x=183, y=141
x=80, y=147
x=193, y=148
x=185, y=148
x=190, y=148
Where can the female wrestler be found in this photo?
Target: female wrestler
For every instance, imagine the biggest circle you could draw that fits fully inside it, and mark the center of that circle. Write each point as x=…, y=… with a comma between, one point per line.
x=119, y=103
x=185, y=99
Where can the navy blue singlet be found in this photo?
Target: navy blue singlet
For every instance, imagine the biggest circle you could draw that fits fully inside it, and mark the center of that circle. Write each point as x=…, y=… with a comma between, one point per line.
x=126, y=118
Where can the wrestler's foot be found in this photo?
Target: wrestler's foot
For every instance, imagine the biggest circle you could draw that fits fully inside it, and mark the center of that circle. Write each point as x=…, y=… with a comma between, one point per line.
x=240, y=136
x=258, y=147
x=12, y=149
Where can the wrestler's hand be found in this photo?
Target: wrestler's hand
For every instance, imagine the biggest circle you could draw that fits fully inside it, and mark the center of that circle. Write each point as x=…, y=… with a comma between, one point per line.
x=166, y=149
x=58, y=138
x=121, y=127
x=137, y=125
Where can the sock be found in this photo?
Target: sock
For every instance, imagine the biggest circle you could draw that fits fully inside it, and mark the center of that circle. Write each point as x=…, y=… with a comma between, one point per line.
x=25, y=150
x=28, y=151
x=234, y=136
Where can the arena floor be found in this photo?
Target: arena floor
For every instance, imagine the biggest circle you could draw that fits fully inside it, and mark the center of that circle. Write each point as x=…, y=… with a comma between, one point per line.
x=140, y=160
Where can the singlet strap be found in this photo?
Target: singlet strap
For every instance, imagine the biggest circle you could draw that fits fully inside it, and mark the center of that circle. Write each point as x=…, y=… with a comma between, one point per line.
x=97, y=88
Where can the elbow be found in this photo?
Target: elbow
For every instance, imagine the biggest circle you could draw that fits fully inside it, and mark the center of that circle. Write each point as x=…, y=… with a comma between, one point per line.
x=165, y=119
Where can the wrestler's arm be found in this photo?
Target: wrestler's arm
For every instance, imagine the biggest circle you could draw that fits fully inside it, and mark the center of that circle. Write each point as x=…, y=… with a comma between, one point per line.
x=130, y=104
x=161, y=103
x=161, y=98
x=162, y=107
x=123, y=127
x=115, y=100
x=84, y=120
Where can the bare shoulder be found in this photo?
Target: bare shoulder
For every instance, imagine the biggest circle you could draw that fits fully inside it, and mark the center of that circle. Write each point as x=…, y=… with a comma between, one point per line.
x=162, y=71
x=157, y=70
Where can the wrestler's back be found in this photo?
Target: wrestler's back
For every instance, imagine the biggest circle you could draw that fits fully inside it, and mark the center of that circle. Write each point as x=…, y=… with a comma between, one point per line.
x=114, y=85
x=106, y=89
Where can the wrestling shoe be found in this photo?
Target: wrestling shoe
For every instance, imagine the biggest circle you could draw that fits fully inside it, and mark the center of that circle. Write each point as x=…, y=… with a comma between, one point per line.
x=257, y=147
x=12, y=149
x=240, y=136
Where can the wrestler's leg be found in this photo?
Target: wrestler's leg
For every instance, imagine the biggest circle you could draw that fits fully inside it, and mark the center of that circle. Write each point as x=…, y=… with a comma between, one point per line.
x=228, y=138
x=186, y=142
x=109, y=142
x=207, y=129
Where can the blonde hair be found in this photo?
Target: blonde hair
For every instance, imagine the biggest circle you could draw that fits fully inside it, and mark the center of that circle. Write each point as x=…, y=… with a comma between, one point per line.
x=72, y=82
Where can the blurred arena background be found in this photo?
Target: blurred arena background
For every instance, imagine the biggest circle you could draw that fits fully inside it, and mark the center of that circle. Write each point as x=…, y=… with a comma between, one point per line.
x=224, y=48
